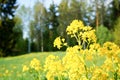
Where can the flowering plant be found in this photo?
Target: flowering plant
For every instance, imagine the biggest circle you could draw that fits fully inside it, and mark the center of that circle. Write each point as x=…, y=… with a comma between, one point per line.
x=34, y=68
x=87, y=60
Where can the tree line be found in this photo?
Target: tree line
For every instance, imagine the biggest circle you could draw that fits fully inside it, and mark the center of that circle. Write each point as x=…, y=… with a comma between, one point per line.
x=42, y=25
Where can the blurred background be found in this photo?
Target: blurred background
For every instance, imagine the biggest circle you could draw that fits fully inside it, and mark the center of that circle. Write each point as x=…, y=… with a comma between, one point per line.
x=32, y=25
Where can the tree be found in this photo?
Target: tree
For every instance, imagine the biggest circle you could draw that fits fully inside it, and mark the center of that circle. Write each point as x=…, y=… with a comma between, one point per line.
x=77, y=11
x=24, y=13
x=8, y=37
x=40, y=24
x=116, y=9
x=113, y=12
x=103, y=34
x=63, y=17
x=117, y=31
x=100, y=10
x=52, y=24
x=21, y=45
x=7, y=9
x=68, y=11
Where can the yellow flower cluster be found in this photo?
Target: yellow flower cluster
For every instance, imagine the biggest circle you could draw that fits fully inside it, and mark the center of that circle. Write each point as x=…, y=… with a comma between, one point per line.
x=54, y=67
x=74, y=27
x=99, y=74
x=59, y=42
x=34, y=64
x=85, y=64
x=95, y=62
x=74, y=64
x=81, y=33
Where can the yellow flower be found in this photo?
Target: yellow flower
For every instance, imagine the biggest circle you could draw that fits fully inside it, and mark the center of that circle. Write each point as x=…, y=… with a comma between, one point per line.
x=25, y=68
x=54, y=67
x=87, y=28
x=35, y=64
x=95, y=46
x=49, y=76
x=108, y=65
x=74, y=27
x=112, y=50
x=81, y=33
x=6, y=71
x=59, y=42
x=99, y=74
x=89, y=57
x=89, y=36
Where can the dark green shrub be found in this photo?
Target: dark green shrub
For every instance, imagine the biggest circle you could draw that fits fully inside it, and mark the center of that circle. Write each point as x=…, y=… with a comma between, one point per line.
x=103, y=35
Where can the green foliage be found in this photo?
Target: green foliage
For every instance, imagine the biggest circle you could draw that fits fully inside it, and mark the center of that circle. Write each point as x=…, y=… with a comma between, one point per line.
x=117, y=31
x=38, y=26
x=7, y=8
x=53, y=18
x=21, y=46
x=113, y=12
x=103, y=35
x=8, y=36
x=116, y=4
x=53, y=24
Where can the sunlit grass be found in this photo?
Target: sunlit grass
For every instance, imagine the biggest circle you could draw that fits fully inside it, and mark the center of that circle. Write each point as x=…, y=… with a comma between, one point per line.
x=11, y=67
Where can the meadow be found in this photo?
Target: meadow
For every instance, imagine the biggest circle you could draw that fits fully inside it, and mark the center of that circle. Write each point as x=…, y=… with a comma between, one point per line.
x=11, y=67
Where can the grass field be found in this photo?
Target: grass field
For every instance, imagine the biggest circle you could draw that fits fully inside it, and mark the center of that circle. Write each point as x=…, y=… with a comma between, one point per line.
x=11, y=67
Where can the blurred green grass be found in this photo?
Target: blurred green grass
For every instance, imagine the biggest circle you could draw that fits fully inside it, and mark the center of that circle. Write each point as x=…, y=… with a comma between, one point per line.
x=11, y=67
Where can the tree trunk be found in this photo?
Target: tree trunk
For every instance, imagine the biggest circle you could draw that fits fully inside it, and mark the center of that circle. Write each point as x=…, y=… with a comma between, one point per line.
x=29, y=45
x=97, y=14
x=42, y=47
x=97, y=19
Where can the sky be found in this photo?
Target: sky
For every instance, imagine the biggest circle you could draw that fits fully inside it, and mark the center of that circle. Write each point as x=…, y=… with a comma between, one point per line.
x=30, y=3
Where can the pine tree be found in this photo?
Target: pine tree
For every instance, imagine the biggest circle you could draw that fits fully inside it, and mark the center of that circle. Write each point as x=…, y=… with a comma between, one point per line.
x=53, y=24
x=8, y=37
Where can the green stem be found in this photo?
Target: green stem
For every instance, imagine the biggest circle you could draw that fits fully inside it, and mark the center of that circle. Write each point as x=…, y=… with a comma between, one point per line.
x=39, y=76
x=59, y=77
x=78, y=39
x=88, y=45
x=86, y=72
x=115, y=70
